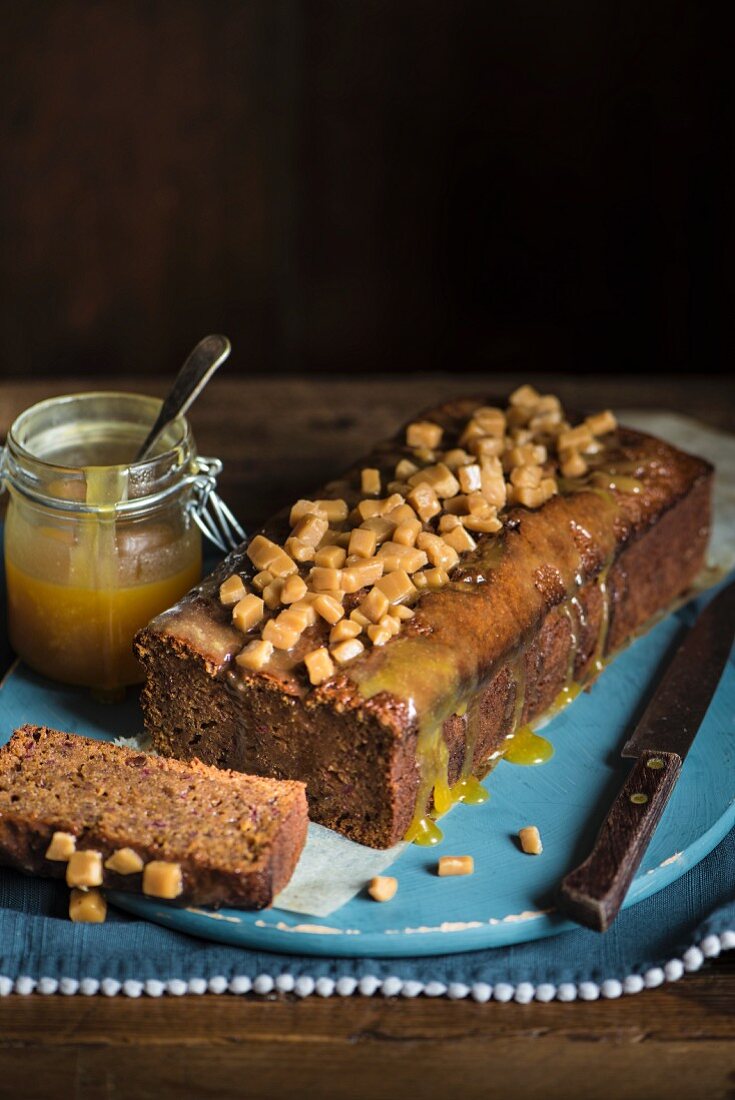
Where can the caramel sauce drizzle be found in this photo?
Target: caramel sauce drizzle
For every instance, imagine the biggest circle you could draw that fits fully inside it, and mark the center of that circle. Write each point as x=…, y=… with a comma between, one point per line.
x=96, y=551
x=468, y=787
x=442, y=689
x=522, y=746
x=598, y=659
x=430, y=700
x=435, y=788
x=528, y=747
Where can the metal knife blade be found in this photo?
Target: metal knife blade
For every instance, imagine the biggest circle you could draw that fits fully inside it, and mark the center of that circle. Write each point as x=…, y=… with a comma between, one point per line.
x=675, y=712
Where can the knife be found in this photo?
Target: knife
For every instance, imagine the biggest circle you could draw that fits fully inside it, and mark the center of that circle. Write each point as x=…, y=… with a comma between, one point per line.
x=593, y=893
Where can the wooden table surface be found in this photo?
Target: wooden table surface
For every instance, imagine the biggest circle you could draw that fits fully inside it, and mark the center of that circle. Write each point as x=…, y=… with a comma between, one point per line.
x=278, y=439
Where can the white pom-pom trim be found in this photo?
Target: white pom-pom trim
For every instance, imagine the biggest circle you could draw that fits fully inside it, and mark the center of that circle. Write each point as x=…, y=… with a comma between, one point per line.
x=390, y=986
x=545, y=992
x=241, y=984
x=611, y=988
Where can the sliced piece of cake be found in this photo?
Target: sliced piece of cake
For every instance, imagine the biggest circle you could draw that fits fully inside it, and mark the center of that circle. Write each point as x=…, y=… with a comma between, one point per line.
x=97, y=814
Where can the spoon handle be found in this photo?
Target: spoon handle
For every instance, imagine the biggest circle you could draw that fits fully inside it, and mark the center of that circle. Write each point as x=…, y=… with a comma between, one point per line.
x=198, y=368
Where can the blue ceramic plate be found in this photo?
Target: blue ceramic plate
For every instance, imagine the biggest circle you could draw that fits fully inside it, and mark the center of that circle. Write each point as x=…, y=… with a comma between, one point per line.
x=509, y=899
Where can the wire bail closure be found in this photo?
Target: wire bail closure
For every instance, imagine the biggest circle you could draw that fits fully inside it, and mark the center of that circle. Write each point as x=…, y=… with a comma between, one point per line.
x=210, y=513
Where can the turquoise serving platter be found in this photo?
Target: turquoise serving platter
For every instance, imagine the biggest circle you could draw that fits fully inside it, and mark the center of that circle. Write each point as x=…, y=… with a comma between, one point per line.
x=510, y=897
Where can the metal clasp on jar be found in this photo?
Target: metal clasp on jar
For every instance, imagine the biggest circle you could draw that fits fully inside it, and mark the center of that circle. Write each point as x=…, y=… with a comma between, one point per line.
x=209, y=511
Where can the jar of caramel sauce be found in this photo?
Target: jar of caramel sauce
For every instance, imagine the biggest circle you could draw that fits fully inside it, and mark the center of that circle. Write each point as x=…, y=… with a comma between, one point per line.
x=96, y=544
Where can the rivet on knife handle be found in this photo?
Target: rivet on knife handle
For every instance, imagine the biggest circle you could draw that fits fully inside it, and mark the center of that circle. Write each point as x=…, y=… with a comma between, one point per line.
x=593, y=893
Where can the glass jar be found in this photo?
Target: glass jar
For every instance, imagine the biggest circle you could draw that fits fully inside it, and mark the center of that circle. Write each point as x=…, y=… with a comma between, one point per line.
x=96, y=545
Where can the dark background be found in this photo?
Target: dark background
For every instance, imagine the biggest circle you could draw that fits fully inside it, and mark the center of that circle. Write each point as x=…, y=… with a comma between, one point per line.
x=361, y=186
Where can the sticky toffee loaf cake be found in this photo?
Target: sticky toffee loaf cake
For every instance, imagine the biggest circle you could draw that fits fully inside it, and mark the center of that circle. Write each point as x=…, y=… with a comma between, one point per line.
x=102, y=815
x=386, y=640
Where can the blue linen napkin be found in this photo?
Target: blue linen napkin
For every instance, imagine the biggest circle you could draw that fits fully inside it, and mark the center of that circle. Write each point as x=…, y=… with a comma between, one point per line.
x=660, y=938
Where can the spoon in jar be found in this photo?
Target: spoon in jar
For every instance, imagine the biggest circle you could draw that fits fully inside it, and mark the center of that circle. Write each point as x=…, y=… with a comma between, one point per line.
x=198, y=368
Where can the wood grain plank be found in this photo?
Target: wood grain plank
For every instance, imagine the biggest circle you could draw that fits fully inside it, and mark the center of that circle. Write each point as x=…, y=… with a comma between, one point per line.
x=675, y=1041
x=692, y=1010
x=522, y=1068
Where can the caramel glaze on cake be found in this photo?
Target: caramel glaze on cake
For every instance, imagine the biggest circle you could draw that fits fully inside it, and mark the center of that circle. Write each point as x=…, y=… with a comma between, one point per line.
x=182, y=831
x=409, y=726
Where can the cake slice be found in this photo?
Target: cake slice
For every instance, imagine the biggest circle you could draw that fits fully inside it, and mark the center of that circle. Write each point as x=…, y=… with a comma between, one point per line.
x=389, y=640
x=101, y=815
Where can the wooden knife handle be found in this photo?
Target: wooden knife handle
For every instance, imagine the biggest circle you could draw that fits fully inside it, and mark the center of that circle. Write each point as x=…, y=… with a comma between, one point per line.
x=593, y=893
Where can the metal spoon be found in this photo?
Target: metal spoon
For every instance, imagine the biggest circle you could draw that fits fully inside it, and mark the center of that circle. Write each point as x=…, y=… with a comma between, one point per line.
x=198, y=368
